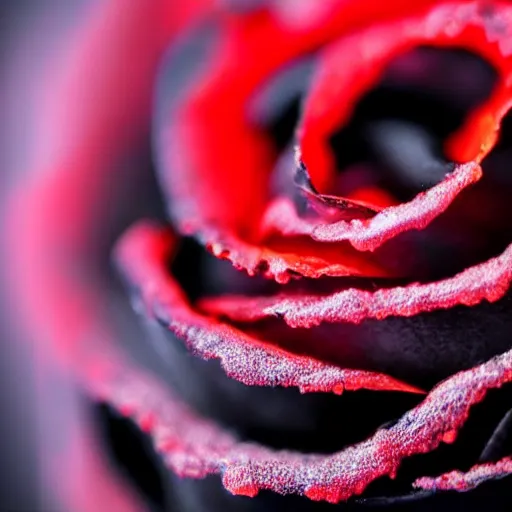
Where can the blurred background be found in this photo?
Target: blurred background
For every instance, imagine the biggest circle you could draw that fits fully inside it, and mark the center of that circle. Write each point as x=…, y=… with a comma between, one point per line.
x=47, y=429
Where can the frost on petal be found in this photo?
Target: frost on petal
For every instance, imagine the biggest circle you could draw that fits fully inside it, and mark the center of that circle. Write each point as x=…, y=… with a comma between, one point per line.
x=142, y=254
x=368, y=234
x=487, y=281
x=194, y=447
x=218, y=194
x=352, y=65
x=465, y=481
x=285, y=258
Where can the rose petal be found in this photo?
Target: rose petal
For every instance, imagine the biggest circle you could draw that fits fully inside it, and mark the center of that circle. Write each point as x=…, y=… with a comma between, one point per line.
x=497, y=443
x=328, y=206
x=353, y=64
x=367, y=235
x=460, y=481
x=143, y=253
x=284, y=259
x=217, y=194
x=486, y=281
x=194, y=447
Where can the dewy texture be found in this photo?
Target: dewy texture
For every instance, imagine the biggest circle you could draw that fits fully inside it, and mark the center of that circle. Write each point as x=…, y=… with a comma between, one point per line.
x=143, y=253
x=215, y=168
x=194, y=447
x=459, y=481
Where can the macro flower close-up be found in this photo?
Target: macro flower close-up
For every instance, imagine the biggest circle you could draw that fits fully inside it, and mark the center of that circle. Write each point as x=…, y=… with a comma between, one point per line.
x=258, y=253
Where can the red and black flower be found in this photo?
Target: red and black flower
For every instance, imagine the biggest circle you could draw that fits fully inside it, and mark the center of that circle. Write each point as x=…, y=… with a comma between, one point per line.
x=329, y=301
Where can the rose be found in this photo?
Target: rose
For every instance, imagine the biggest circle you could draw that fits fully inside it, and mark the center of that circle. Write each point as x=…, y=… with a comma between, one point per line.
x=265, y=237
x=215, y=166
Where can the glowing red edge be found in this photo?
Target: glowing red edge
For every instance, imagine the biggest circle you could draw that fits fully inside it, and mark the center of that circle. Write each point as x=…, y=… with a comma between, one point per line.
x=465, y=481
x=282, y=266
x=119, y=387
x=214, y=115
x=336, y=88
x=368, y=234
x=487, y=281
x=470, y=27
x=143, y=253
x=193, y=447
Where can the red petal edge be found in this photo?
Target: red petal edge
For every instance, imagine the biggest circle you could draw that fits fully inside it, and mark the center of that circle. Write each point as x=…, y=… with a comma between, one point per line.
x=489, y=281
x=367, y=235
x=290, y=262
x=351, y=65
x=460, y=481
x=194, y=447
x=220, y=98
x=217, y=207
x=142, y=255
x=199, y=447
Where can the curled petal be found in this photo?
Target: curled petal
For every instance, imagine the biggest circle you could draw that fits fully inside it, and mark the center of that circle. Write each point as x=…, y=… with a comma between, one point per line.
x=286, y=259
x=223, y=208
x=369, y=234
x=329, y=206
x=352, y=65
x=194, y=447
x=344, y=474
x=220, y=100
x=486, y=281
x=142, y=255
x=460, y=481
